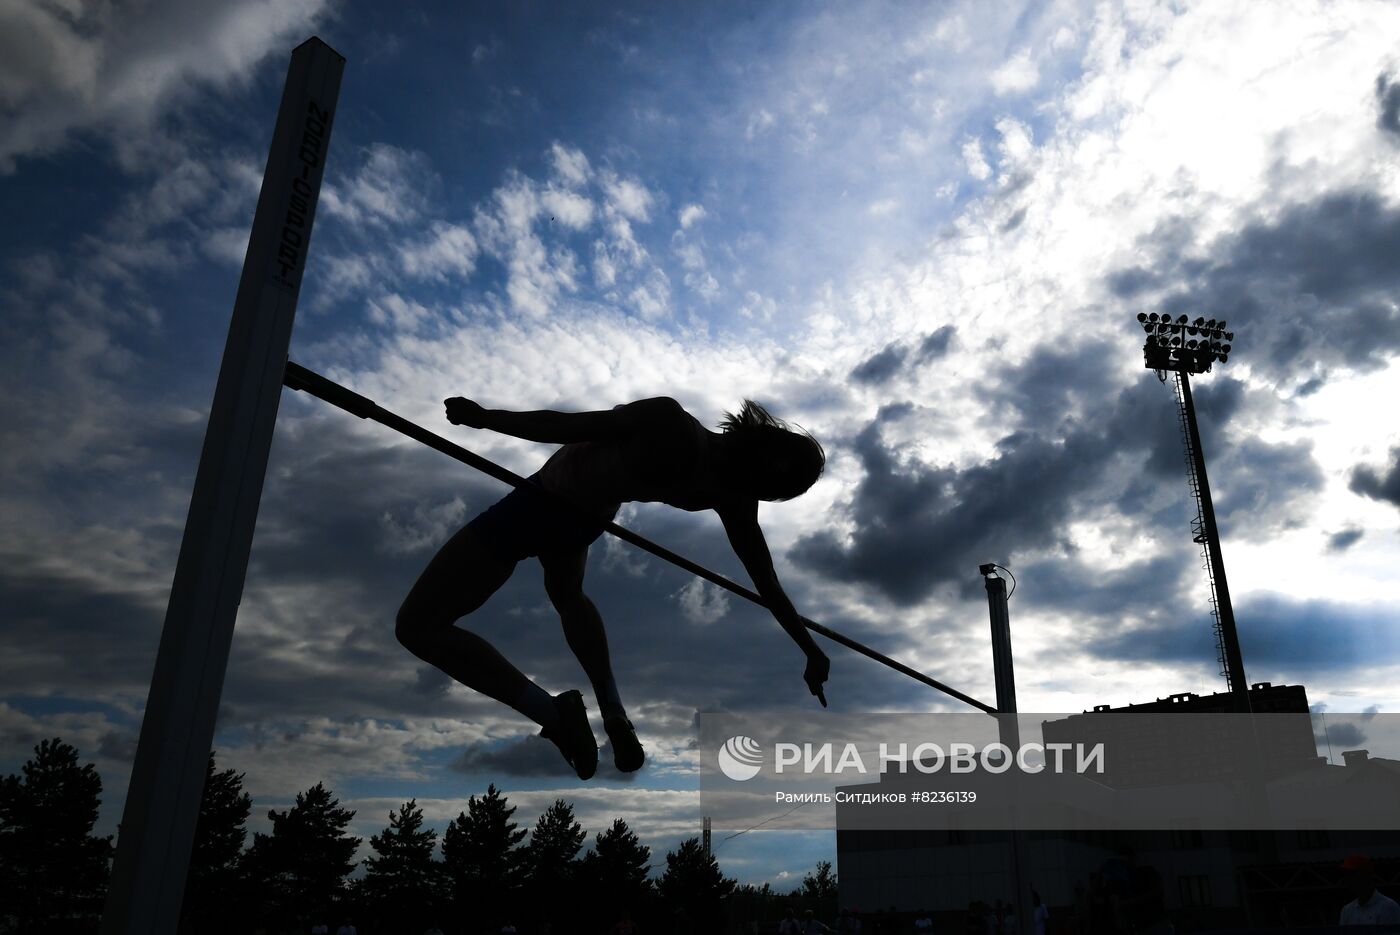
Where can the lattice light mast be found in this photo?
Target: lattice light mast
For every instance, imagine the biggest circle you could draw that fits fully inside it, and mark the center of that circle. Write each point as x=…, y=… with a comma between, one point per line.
x=1184, y=347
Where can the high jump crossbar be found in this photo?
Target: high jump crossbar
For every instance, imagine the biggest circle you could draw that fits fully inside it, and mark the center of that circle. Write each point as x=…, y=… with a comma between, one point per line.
x=300, y=378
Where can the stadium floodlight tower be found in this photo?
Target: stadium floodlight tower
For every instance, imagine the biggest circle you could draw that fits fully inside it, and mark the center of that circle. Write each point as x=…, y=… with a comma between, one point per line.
x=1185, y=347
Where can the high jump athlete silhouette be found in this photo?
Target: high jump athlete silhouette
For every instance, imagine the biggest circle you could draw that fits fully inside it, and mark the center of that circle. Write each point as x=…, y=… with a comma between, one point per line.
x=650, y=450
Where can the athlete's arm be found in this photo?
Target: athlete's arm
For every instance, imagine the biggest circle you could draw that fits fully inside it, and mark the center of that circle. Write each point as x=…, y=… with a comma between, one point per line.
x=740, y=520
x=563, y=428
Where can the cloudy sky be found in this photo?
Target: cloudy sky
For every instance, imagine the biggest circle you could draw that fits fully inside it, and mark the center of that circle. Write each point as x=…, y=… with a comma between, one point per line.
x=920, y=230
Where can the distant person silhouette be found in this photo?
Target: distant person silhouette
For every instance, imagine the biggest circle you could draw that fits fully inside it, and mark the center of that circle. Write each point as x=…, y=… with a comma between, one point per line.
x=650, y=450
x=624, y=925
x=1370, y=907
x=811, y=925
x=1040, y=913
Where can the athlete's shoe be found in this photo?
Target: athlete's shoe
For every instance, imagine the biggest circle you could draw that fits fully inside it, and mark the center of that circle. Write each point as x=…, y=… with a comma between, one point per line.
x=627, y=749
x=573, y=736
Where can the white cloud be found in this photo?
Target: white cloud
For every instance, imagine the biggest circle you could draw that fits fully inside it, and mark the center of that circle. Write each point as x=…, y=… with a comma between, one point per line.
x=1018, y=75
x=402, y=315
x=702, y=602
x=570, y=165
x=427, y=527
x=390, y=187
x=449, y=250
x=604, y=269
x=117, y=69
x=976, y=163
x=628, y=197
x=761, y=120
x=697, y=277
x=652, y=297
x=227, y=245
x=1016, y=143
x=568, y=208
x=691, y=214
x=537, y=274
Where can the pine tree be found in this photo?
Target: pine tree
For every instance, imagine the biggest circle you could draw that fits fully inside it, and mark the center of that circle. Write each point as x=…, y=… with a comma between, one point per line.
x=404, y=882
x=693, y=882
x=819, y=885
x=617, y=868
x=53, y=872
x=211, y=898
x=481, y=854
x=554, y=843
x=550, y=863
x=298, y=872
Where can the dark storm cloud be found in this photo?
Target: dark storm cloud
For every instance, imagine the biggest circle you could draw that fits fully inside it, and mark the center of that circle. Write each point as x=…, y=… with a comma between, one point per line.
x=1078, y=443
x=1388, y=102
x=918, y=528
x=1345, y=734
x=936, y=344
x=1344, y=539
x=1277, y=634
x=1054, y=383
x=1311, y=288
x=881, y=366
x=1084, y=585
x=1378, y=484
x=1263, y=478
x=56, y=615
x=118, y=745
x=532, y=756
x=884, y=364
x=1014, y=221
x=1259, y=488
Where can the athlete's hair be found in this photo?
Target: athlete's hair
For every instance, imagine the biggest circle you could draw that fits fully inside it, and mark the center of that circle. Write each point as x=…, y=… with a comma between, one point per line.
x=791, y=459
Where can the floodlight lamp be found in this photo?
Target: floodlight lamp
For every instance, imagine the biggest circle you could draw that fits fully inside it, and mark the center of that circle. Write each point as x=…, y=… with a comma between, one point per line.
x=1191, y=345
x=1142, y=316
x=1152, y=317
x=1229, y=336
x=1224, y=348
x=1199, y=321
x=1224, y=357
x=1221, y=324
x=1181, y=320
x=1211, y=323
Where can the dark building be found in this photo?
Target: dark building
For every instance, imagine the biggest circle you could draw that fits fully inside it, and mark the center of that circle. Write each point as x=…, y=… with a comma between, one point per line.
x=1206, y=877
x=1151, y=746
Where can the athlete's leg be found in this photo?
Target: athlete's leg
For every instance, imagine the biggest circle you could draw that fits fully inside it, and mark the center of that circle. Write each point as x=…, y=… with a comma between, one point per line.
x=456, y=582
x=583, y=625
x=583, y=628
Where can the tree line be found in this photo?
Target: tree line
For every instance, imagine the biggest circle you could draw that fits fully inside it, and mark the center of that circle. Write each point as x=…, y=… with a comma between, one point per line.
x=492, y=873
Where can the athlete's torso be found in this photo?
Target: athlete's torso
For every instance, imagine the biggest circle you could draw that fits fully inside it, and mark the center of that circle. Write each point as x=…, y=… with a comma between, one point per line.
x=668, y=465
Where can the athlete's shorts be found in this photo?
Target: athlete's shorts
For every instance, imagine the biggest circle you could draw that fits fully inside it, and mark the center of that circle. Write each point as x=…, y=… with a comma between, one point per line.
x=521, y=525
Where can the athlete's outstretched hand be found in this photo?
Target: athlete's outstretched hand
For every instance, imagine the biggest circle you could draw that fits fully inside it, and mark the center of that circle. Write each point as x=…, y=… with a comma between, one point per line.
x=818, y=668
x=462, y=411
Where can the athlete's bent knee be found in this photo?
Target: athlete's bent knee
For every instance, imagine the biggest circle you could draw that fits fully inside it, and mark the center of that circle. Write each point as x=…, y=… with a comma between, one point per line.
x=411, y=628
